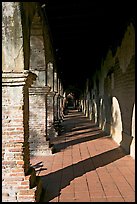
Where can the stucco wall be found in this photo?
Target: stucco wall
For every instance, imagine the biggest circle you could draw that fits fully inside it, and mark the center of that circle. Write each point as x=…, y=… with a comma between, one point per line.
x=116, y=95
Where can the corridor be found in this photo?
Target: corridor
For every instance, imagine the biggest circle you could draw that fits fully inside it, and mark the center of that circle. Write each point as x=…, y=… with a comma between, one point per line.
x=86, y=166
x=77, y=56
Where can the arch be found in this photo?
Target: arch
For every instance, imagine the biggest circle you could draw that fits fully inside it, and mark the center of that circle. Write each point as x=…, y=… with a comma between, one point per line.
x=132, y=147
x=116, y=123
x=37, y=51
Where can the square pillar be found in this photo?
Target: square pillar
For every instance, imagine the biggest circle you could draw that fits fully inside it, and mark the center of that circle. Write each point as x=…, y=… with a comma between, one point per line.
x=39, y=145
x=61, y=108
x=50, y=75
x=50, y=116
x=19, y=182
x=56, y=107
x=55, y=96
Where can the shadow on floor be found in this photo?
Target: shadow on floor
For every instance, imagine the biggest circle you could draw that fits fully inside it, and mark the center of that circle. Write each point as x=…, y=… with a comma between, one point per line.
x=38, y=167
x=75, y=133
x=87, y=137
x=75, y=128
x=55, y=181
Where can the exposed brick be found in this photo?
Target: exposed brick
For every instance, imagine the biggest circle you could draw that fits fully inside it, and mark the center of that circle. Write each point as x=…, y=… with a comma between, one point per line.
x=26, y=187
x=24, y=192
x=26, y=182
x=20, y=162
x=17, y=170
x=17, y=174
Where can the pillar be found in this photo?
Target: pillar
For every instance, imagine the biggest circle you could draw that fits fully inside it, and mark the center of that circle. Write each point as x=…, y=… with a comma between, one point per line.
x=55, y=96
x=50, y=102
x=61, y=102
x=50, y=116
x=19, y=181
x=58, y=101
x=39, y=144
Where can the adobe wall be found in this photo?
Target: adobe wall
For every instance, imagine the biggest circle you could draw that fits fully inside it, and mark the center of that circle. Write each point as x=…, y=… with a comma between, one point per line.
x=113, y=93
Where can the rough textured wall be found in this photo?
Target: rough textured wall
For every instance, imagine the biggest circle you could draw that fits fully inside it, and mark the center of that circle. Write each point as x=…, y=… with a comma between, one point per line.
x=37, y=117
x=124, y=84
x=19, y=180
x=12, y=38
x=38, y=93
x=117, y=91
x=47, y=42
x=12, y=143
x=37, y=56
x=15, y=146
x=37, y=121
x=16, y=21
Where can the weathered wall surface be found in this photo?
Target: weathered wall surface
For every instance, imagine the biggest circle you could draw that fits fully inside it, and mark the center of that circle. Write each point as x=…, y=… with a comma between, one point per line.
x=12, y=39
x=114, y=97
x=16, y=178
x=28, y=112
x=37, y=93
x=19, y=180
x=122, y=89
x=37, y=121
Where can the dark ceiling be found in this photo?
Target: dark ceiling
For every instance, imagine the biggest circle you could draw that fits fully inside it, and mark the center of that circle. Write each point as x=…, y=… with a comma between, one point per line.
x=83, y=31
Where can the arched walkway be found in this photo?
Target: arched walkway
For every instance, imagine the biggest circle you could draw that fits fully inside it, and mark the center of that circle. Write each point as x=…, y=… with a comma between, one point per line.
x=77, y=156
x=87, y=165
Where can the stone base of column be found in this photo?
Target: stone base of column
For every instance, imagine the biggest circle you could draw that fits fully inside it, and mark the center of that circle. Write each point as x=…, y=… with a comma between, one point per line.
x=58, y=114
x=58, y=127
x=51, y=131
x=34, y=193
x=42, y=149
x=39, y=144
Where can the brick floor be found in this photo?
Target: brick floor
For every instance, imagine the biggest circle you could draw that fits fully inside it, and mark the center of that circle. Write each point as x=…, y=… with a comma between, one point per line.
x=88, y=166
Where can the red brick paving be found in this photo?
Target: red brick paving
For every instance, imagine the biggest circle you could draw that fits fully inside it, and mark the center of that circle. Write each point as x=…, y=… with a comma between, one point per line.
x=88, y=166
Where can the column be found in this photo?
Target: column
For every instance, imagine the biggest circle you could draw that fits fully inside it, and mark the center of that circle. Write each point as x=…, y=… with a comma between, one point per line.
x=19, y=182
x=58, y=101
x=51, y=132
x=61, y=102
x=39, y=145
x=55, y=96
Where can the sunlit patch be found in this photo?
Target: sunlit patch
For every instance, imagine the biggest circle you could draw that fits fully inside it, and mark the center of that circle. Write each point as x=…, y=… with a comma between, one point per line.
x=116, y=126
x=94, y=112
x=102, y=117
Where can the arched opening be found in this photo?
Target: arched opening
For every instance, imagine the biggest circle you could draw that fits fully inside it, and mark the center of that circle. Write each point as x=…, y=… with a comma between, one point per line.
x=116, y=123
x=37, y=51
